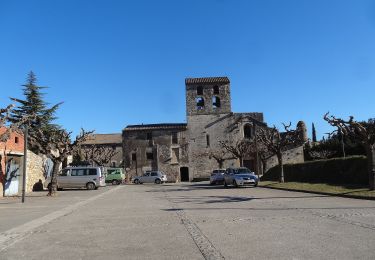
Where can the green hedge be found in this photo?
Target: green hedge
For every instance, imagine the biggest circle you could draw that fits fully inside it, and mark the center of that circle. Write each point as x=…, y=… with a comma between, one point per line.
x=351, y=170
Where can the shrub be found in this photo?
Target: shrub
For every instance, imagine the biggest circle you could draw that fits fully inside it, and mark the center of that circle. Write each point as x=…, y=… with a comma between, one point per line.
x=350, y=170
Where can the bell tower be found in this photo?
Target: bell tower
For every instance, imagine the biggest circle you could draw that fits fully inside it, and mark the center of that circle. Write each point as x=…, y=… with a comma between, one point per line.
x=207, y=96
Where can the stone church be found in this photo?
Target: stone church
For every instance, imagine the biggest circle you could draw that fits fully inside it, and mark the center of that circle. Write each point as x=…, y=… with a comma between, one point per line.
x=186, y=151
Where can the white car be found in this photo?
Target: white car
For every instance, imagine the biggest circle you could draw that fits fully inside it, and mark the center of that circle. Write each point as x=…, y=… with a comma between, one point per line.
x=151, y=177
x=217, y=177
x=240, y=177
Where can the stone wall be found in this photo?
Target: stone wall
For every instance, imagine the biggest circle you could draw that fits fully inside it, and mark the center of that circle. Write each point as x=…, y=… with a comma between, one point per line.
x=35, y=170
x=290, y=156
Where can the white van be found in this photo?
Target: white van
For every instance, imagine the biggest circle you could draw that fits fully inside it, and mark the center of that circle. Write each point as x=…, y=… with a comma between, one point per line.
x=79, y=177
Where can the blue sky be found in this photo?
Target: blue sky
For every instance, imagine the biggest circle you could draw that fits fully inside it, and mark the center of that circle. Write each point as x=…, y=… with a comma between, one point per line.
x=115, y=63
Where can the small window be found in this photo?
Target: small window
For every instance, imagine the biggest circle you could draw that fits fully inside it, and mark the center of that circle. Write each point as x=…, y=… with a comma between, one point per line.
x=216, y=102
x=175, y=155
x=216, y=90
x=149, y=136
x=16, y=140
x=208, y=140
x=149, y=156
x=134, y=156
x=200, y=103
x=64, y=173
x=199, y=90
x=174, y=138
x=247, y=131
x=78, y=172
x=92, y=171
x=113, y=164
x=154, y=174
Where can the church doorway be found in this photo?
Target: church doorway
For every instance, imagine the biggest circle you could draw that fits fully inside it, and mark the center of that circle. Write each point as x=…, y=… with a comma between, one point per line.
x=250, y=164
x=184, y=174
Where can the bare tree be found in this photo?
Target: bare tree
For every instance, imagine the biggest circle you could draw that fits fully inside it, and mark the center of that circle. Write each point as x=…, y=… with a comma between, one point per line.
x=98, y=154
x=219, y=155
x=364, y=132
x=275, y=142
x=239, y=149
x=322, y=154
x=56, y=144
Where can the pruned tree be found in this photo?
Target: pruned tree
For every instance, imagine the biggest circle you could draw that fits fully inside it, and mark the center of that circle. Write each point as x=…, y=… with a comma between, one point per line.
x=239, y=149
x=98, y=155
x=56, y=144
x=4, y=117
x=364, y=132
x=321, y=154
x=219, y=155
x=275, y=142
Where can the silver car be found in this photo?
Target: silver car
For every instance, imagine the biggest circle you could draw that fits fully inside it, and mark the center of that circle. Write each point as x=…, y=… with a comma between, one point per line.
x=79, y=177
x=240, y=177
x=217, y=176
x=151, y=177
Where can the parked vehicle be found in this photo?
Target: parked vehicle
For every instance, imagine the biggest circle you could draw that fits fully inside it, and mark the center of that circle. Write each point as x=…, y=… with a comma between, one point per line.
x=217, y=176
x=240, y=177
x=115, y=176
x=79, y=177
x=151, y=177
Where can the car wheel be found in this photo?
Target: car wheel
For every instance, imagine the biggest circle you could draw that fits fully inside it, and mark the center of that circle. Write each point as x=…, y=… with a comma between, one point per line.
x=90, y=186
x=235, y=184
x=157, y=181
x=136, y=181
x=115, y=182
x=256, y=184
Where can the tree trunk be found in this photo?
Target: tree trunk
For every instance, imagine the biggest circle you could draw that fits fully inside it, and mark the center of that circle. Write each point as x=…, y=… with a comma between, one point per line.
x=280, y=160
x=264, y=166
x=220, y=162
x=241, y=161
x=371, y=165
x=52, y=189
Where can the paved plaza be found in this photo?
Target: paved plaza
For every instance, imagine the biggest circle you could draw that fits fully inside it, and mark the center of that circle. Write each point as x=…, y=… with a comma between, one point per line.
x=186, y=221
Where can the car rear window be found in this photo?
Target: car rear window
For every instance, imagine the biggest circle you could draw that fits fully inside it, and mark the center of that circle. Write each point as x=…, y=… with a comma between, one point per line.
x=92, y=171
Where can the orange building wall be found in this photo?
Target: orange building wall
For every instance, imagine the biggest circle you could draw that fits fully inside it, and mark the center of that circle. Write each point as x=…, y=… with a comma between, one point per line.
x=9, y=146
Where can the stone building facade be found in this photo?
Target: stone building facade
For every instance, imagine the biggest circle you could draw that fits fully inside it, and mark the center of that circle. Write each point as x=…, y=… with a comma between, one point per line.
x=156, y=147
x=210, y=121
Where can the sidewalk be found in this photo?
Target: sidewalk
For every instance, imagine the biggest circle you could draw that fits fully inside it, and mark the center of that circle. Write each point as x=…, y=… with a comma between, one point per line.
x=37, y=204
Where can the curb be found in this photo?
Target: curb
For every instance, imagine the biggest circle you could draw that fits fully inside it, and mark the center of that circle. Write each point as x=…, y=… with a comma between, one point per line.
x=322, y=193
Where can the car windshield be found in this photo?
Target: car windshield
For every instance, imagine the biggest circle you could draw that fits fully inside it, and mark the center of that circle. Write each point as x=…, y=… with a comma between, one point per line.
x=242, y=170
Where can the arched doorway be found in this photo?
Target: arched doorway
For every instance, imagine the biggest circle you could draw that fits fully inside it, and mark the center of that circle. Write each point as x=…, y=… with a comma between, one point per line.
x=184, y=174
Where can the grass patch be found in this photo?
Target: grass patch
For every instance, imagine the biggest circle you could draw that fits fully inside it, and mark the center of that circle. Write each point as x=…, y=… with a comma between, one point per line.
x=335, y=189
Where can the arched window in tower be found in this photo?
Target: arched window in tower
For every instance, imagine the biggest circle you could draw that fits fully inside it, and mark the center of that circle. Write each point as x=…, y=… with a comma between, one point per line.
x=199, y=90
x=216, y=102
x=216, y=90
x=247, y=131
x=200, y=103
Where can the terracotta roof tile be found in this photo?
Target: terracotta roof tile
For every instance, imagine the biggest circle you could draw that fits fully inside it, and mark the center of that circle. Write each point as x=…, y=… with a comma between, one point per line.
x=156, y=127
x=209, y=80
x=104, y=139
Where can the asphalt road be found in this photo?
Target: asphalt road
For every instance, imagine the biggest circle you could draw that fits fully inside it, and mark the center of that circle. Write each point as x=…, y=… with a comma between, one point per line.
x=186, y=221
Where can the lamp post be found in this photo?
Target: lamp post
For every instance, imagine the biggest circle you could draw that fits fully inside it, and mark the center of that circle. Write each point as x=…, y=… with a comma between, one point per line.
x=24, y=164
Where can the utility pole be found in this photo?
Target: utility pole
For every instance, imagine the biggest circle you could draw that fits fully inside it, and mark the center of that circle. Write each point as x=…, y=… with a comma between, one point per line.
x=24, y=164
